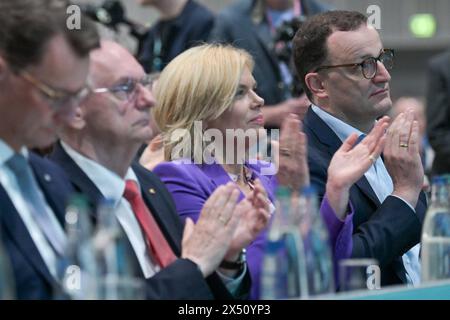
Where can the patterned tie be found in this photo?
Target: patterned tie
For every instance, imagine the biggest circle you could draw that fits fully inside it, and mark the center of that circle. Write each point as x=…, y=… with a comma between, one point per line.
x=157, y=243
x=36, y=204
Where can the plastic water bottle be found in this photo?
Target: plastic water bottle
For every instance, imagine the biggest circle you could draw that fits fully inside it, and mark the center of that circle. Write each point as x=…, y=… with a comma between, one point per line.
x=114, y=253
x=81, y=273
x=282, y=261
x=316, y=244
x=436, y=233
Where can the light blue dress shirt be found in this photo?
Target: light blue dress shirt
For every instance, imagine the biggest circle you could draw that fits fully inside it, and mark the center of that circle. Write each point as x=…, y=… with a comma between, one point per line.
x=381, y=183
x=9, y=182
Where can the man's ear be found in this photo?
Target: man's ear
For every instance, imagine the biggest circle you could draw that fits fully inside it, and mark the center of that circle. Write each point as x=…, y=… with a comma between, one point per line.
x=3, y=67
x=316, y=85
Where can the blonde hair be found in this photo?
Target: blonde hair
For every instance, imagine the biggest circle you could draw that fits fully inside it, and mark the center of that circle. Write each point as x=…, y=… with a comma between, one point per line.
x=198, y=85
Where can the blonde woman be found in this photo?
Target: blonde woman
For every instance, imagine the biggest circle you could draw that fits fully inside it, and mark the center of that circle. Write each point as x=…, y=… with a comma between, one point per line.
x=211, y=87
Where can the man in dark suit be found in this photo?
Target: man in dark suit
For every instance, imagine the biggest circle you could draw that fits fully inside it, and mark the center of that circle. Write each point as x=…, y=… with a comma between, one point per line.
x=344, y=70
x=97, y=151
x=438, y=111
x=43, y=70
x=251, y=25
x=181, y=25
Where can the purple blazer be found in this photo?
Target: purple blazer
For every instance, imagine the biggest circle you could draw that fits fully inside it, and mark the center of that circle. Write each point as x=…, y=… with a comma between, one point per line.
x=192, y=184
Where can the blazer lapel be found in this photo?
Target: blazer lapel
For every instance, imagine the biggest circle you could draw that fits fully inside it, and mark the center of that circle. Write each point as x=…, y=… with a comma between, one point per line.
x=78, y=178
x=218, y=175
x=154, y=197
x=16, y=229
x=329, y=139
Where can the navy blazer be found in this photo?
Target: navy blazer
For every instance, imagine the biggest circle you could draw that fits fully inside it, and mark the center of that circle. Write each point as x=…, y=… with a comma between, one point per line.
x=180, y=280
x=384, y=231
x=32, y=278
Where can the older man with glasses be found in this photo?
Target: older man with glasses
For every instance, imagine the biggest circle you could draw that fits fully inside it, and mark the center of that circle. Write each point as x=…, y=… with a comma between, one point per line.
x=43, y=71
x=344, y=67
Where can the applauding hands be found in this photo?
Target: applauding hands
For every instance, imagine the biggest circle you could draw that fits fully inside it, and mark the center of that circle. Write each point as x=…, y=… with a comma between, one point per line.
x=350, y=162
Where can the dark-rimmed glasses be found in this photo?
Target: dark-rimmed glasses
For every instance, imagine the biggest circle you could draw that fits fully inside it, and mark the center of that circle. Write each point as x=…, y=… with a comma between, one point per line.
x=369, y=66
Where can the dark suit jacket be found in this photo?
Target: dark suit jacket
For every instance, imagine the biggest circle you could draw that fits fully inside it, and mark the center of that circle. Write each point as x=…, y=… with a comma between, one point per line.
x=384, y=231
x=235, y=25
x=190, y=28
x=438, y=111
x=31, y=276
x=180, y=280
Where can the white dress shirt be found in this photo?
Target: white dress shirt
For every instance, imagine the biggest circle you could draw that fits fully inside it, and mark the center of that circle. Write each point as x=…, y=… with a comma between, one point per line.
x=381, y=183
x=9, y=182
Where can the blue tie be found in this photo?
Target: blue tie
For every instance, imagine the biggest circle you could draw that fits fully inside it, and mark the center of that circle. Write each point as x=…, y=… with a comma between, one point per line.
x=35, y=202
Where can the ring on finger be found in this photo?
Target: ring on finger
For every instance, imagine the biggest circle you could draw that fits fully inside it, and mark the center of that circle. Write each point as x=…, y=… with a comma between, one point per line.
x=285, y=152
x=403, y=145
x=372, y=158
x=223, y=220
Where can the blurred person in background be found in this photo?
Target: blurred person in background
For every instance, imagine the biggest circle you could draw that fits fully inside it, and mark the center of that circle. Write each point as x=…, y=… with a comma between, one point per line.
x=438, y=111
x=182, y=24
x=253, y=25
x=43, y=71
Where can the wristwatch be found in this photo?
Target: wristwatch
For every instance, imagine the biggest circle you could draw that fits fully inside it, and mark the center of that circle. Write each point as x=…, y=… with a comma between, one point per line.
x=235, y=265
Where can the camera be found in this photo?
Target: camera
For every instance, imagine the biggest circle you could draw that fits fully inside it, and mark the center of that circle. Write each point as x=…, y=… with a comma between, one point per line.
x=111, y=14
x=283, y=48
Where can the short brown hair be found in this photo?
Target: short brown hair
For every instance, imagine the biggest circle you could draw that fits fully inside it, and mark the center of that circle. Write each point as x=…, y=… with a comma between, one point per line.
x=26, y=27
x=310, y=50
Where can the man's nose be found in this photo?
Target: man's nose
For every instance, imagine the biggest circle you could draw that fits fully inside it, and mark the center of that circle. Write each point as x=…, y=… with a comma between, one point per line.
x=145, y=98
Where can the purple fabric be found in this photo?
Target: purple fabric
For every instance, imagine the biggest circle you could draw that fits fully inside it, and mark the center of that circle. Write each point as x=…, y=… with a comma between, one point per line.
x=192, y=184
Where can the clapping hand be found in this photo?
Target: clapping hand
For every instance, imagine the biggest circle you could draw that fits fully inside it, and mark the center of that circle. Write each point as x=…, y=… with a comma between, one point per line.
x=350, y=162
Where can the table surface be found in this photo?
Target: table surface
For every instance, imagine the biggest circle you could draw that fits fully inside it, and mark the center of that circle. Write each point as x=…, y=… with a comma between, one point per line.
x=431, y=291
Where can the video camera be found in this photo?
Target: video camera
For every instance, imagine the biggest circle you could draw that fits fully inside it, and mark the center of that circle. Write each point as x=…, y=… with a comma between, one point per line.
x=111, y=14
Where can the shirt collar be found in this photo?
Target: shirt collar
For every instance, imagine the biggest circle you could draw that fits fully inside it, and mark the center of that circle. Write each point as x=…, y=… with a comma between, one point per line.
x=6, y=152
x=111, y=185
x=342, y=129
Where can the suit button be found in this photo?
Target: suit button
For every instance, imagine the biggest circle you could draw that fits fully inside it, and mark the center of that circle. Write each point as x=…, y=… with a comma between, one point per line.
x=280, y=85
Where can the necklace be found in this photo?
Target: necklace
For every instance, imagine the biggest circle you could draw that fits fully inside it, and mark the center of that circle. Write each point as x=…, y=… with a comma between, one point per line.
x=247, y=177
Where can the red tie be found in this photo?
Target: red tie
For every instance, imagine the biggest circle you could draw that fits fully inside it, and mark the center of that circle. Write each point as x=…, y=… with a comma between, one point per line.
x=158, y=245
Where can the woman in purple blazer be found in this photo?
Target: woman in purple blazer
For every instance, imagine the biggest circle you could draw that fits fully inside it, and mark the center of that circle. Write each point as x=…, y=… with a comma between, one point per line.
x=207, y=92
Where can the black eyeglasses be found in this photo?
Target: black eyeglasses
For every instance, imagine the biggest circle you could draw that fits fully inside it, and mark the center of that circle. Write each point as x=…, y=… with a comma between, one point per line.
x=127, y=89
x=56, y=99
x=369, y=66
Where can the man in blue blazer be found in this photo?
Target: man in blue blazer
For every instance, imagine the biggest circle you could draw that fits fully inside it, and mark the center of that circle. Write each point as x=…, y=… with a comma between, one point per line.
x=42, y=75
x=344, y=70
x=97, y=150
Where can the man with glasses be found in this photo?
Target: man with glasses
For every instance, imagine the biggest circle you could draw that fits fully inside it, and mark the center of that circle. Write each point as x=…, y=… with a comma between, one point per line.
x=97, y=150
x=43, y=70
x=344, y=67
